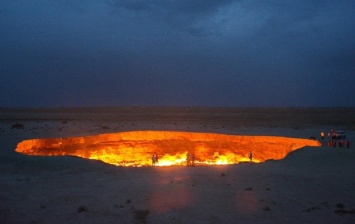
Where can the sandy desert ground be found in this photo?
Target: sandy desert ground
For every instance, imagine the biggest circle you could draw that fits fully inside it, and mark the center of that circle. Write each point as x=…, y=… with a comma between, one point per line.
x=310, y=185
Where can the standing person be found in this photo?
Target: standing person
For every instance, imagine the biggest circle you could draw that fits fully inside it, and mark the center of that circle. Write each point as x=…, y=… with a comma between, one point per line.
x=187, y=159
x=153, y=160
x=193, y=159
x=347, y=144
x=156, y=158
x=322, y=135
x=251, y=156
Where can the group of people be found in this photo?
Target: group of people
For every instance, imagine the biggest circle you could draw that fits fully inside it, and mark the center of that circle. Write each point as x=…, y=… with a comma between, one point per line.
x=336, y=138
x=340, y=143
x=190, y=159
x=154, y=159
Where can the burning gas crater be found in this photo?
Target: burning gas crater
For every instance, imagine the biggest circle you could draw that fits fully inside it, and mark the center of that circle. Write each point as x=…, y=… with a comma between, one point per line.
x=137, y=147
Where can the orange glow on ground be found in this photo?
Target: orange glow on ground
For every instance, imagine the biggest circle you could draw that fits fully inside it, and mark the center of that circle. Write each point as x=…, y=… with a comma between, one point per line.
x=136, y=148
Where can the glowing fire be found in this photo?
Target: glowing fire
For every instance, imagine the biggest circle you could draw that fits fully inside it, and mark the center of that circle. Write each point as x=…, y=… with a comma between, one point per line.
x=136, y=148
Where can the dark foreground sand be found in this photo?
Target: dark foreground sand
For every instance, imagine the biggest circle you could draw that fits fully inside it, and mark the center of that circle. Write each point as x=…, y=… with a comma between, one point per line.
x=311, y=185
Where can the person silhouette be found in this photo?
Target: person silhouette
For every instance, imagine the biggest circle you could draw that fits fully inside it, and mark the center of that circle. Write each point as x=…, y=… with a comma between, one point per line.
x=156, y=158
x=153, y=160
x=188, y=159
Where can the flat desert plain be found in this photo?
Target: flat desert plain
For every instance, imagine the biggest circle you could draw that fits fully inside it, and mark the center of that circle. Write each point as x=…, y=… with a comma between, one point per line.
x=310, y=185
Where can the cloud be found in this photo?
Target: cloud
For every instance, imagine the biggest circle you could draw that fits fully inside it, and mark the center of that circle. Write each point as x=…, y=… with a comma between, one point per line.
x=134, y=5
x=182, y=15
x=175, y=52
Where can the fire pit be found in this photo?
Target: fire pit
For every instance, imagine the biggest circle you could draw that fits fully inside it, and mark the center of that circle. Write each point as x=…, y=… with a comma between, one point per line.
x=136, y=148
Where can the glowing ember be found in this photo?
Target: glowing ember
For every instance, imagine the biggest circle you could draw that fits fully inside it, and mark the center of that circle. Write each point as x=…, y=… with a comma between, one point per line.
x=137, y=148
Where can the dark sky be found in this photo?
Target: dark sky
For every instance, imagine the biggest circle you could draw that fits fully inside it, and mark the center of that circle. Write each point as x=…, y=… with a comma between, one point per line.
x=177, y=53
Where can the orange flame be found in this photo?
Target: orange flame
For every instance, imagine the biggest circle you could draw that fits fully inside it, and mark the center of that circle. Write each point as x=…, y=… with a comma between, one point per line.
x=137, y=147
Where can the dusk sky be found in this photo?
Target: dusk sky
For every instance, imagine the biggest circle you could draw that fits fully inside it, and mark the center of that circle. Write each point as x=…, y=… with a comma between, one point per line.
x=65, y=53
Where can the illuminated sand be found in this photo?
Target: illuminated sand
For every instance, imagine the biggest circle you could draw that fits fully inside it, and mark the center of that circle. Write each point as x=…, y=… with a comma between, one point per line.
x=137, y=147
